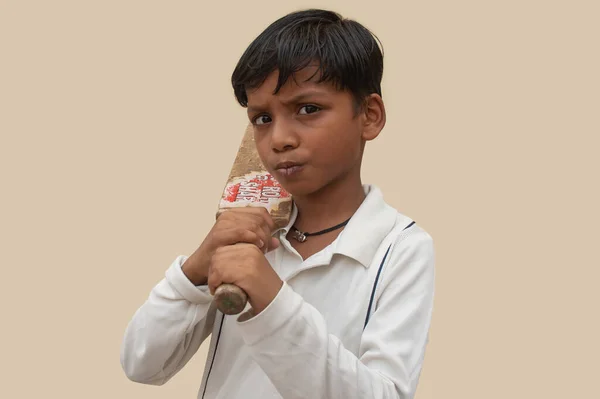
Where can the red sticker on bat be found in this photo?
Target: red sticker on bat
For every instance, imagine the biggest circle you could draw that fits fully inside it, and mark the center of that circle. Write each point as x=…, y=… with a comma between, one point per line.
x=253, y=189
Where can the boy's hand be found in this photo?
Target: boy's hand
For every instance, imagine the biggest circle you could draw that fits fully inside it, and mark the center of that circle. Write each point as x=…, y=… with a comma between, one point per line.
x=245, y=266
x=252, y=225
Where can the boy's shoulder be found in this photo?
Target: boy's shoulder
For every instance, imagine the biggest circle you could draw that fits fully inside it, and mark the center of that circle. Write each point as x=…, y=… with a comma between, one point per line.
x=378, y=205
x=406, y=234
x=377, y=226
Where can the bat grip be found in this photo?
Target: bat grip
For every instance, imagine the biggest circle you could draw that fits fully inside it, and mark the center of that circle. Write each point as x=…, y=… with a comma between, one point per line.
x=230, y=299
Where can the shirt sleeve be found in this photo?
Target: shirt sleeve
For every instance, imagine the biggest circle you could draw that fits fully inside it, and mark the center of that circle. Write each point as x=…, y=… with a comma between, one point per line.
x=290, y=341
x=167, y=330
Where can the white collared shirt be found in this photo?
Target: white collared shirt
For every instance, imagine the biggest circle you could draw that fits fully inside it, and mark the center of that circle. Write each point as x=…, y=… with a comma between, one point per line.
x=349, y=322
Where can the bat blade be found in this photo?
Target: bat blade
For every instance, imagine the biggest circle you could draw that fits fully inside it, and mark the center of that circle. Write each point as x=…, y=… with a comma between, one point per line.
x=250, y=184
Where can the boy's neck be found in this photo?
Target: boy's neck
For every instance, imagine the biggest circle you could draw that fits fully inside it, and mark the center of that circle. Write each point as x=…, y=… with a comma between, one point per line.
x=329, y=206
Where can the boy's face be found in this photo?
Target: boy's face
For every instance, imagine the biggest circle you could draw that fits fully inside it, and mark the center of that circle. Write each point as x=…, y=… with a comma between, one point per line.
x=308, y=135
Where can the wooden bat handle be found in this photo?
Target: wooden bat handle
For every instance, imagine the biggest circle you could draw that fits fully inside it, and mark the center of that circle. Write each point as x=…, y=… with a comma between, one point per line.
x=230, y=299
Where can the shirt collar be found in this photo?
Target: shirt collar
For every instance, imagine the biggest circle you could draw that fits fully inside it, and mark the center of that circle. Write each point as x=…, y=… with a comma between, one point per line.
x=361, y=237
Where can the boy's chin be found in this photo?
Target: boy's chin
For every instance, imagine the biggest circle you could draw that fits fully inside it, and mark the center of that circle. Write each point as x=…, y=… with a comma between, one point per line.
x=298, y=189
x=302, y=189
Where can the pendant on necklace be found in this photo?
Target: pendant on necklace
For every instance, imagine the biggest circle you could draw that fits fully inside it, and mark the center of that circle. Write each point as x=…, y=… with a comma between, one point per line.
x=299, y=236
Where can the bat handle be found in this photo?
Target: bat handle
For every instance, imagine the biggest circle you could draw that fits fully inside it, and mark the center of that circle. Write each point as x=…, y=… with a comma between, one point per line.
x=230, y=299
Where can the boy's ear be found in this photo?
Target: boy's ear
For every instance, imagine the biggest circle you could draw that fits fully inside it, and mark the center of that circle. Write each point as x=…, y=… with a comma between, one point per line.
x=374, y=116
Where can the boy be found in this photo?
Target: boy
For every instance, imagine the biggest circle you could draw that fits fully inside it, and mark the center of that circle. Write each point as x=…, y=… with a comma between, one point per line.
x=342, y=313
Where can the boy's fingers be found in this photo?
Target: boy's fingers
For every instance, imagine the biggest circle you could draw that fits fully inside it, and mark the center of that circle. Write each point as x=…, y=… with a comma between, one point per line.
x=257, y=219
x=257, y=224
x=235, y=235
x=268, y=226
x=274, y=244
x=214, y=281
x=264, y=213
x=257, y=211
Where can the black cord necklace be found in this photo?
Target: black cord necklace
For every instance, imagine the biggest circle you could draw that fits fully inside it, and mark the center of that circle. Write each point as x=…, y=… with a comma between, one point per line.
x=301, y=236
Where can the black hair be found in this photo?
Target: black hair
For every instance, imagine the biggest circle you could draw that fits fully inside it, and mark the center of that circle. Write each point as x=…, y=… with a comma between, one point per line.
x=347, y=54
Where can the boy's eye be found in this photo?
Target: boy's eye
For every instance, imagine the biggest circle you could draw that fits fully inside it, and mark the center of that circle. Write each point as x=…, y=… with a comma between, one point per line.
x=262, y=119
x=309, y=109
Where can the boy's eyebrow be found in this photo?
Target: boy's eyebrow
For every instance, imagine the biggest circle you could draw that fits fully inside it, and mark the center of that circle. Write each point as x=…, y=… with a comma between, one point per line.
x=303, y=96
x=300, y=97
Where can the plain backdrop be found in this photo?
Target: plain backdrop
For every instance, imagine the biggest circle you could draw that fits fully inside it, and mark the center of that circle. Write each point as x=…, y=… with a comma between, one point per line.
x=118, y=127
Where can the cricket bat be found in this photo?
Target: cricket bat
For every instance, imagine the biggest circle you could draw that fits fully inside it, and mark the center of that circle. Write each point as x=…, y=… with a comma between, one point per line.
x=250, y=184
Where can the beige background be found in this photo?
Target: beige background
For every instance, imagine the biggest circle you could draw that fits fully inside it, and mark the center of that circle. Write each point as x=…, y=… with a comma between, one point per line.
x=118, y=127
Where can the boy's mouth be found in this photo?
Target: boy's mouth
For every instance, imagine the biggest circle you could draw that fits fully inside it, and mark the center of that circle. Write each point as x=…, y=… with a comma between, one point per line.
x=288, y=168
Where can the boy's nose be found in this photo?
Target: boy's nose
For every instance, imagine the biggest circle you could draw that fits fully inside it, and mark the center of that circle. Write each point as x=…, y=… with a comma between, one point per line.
x=283, y=137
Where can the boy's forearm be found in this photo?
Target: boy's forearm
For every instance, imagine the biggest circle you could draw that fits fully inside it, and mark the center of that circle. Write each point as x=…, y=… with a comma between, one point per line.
x=291, y=342
x=196, y=277
x=195, y=268
x=154, y=346
x=303, y=360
